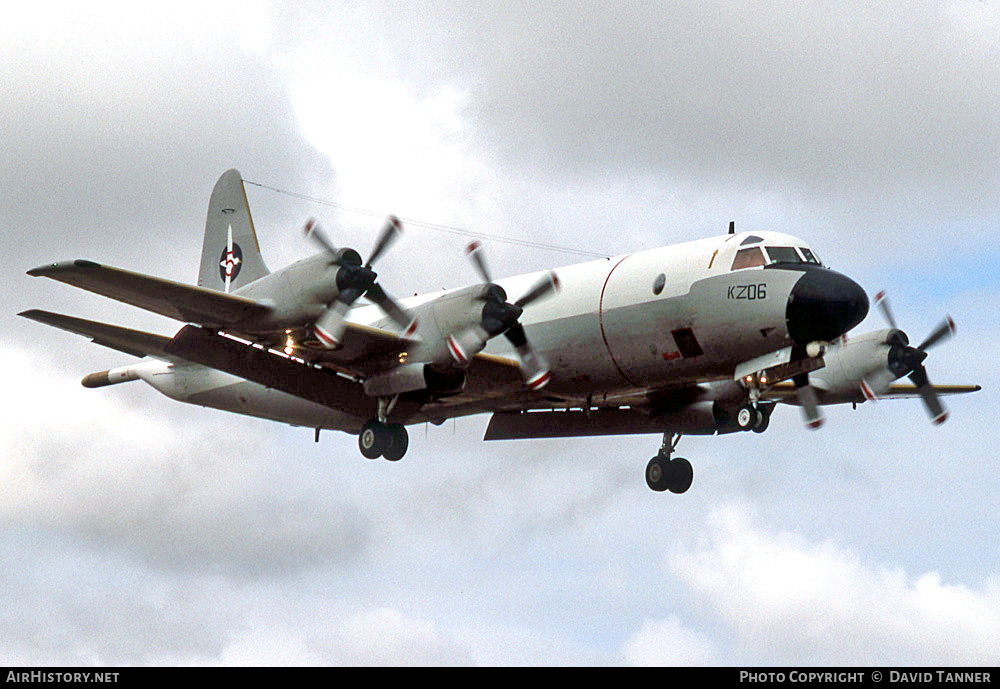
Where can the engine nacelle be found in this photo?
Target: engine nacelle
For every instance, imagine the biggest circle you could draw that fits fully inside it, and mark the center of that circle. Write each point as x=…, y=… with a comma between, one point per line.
x=866, y=360
x=413, y=377
x=455, y=312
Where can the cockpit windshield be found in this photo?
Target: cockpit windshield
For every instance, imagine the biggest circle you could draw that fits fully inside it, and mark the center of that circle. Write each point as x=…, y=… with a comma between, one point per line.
x=753, y=257
x=783, y=254
x=748, y=258
x=809, y=255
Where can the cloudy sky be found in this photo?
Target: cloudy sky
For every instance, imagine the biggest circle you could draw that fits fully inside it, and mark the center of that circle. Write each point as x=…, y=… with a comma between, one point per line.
x=136, y=530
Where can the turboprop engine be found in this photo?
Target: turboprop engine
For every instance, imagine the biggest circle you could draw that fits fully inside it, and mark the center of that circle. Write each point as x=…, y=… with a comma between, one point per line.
x=871, y=362
x=468, y=318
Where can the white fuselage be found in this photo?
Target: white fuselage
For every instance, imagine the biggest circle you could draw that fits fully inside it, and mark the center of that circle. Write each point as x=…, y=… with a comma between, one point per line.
x=615, y=327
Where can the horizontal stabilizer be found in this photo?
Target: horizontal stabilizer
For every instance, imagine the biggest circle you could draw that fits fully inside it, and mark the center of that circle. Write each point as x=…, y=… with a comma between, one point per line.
x=176, y=300
x=134, y=342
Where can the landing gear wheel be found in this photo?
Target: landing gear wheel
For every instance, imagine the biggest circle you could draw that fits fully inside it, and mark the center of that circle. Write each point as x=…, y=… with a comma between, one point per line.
x=683, y=475
x=674, y=475
x=765, y=419
x=399, y=440
x=373, y=439
x=748, y=417
x=656, y=474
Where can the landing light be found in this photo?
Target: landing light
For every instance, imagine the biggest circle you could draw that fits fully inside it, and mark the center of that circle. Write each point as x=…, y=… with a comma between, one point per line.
x=289, y=344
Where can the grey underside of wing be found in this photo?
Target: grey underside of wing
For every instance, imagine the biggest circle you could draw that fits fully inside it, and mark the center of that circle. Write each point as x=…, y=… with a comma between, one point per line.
x=785, y=392
x=134, y=342
x=175, y=300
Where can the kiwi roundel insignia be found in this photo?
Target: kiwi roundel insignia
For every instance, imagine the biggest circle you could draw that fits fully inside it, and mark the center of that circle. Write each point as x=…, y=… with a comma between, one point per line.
x=230, y=262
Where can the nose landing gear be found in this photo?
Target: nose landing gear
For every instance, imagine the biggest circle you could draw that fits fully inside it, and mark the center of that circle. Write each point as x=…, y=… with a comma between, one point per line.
x=664, y=473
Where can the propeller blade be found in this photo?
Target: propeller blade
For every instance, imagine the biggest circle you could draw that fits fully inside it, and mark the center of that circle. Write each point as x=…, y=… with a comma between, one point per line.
x=392, y=309
x=535, y=371
x=882, y=302
x=315, y=234
x=329, y=328
x=548, y=284
x=945, y=330
x=867, y=391
x=808, y=401
x=467, y=344
x=927, y=392
x=475, y=252
x=390, y=231
x=875, y=384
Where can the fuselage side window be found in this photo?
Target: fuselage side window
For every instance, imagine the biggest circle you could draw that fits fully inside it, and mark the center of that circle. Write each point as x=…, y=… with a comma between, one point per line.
x=748, y=258
x=783, y=254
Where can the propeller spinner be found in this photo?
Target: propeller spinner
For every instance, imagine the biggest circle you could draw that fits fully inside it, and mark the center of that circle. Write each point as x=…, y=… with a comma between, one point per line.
x=500, y=317
x=905, y=360
x=353, y=280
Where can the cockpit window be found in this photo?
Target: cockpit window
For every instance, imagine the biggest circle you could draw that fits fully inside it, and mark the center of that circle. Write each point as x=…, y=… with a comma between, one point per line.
x=809, y=255
x=752, y=239
x=748, y=258
x=783, y=254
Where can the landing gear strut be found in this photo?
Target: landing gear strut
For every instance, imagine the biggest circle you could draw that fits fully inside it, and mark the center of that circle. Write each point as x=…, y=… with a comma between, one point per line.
x=380, y=439
x=664, y=473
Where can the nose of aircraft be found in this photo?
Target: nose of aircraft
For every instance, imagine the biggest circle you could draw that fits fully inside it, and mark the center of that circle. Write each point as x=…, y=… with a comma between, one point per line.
x=823, y=305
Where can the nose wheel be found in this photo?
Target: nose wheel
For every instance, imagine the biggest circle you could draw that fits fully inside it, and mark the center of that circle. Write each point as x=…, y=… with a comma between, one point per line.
x=666, y=474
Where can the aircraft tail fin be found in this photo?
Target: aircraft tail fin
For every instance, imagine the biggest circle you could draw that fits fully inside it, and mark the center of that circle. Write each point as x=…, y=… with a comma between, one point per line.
x=230, y=254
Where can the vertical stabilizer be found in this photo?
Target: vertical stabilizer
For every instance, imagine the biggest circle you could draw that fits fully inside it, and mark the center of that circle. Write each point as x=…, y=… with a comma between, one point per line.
x=230, y=254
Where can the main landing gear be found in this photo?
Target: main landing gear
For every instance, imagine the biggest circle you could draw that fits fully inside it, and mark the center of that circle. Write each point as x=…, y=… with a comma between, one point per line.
x=664, y=473
x=754, y=417
x=380, y=439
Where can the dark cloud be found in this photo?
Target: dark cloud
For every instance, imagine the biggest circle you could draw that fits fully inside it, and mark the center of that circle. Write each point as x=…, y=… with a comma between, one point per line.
x=860, y=122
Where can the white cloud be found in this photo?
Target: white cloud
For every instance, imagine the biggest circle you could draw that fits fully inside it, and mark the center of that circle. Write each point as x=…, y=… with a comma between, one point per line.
x=378, y=636
x=669, y=642
x=789, y=600
x=177, y=495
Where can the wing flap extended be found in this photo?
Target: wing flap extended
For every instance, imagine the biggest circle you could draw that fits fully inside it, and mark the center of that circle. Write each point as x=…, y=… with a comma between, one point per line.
x=134, y=342
x=312, y=383
x=176, y=300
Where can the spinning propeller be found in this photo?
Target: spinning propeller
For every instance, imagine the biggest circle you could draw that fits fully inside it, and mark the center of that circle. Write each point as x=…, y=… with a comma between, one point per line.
x=808, y=400
x=353, y=280
x=906, y=360
x=500, y=317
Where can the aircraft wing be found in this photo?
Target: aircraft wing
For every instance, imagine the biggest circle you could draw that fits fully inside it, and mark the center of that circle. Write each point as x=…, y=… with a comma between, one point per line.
x=134, y=342
x=175, y=300
x=785, y=392
x=489, y=379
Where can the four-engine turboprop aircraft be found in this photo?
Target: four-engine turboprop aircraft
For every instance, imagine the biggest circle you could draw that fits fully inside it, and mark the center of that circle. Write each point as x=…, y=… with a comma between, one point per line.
x=703, y=337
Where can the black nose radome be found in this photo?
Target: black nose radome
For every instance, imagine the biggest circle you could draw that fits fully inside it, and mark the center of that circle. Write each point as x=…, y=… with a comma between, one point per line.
x=823, y=305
